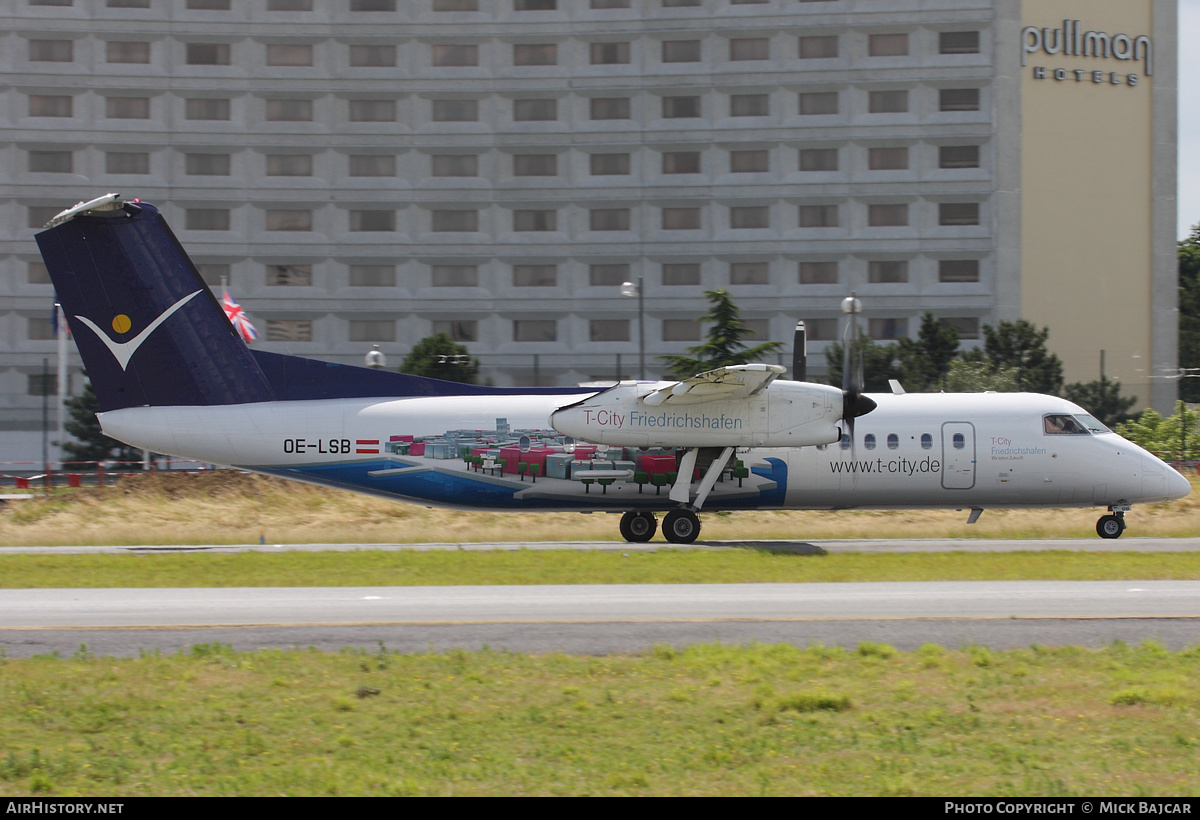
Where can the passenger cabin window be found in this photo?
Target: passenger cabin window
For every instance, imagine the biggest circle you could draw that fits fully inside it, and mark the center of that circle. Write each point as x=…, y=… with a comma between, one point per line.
x=926, y=441
x=893, y=441
x=869, y=441
x=845, y=442
x=1057, y=425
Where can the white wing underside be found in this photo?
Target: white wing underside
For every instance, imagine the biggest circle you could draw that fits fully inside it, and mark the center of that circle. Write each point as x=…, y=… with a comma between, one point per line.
x=723, y=384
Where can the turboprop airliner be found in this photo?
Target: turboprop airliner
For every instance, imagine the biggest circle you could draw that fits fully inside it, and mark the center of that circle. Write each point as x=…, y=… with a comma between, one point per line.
x=173, y=376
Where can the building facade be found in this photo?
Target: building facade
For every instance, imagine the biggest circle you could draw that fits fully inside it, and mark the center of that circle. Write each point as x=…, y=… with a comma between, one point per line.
x=369, y=172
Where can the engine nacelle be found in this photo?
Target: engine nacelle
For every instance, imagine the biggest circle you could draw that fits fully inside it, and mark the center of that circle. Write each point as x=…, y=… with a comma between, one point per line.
x=787, y=414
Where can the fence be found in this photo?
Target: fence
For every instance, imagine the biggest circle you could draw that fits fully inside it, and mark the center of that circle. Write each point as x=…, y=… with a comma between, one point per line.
x=29, y=475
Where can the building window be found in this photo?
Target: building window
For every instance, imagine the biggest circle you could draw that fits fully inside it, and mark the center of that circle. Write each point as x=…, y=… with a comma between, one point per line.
x=750, y=48
x=207, y=54
x=372, y=330
x=680, y=107
x=380, y=221
x=129, y=4
x=51, y=2
x=958, y=213
x=459, y=330
x=818, y=273
x=609, y=108
x=680, y=330
x=126, y=162
x=535, y=5
x=456, y=5
x=535, y=110
x=958, y=156
x=372, y=5
x=611, y=275
x=455, y=55
x=51, y=51
x=206, y=165
x=608, y=165
x=608, y=330
x=760, y=329
x=455, y=165
x=127, y=108
x=535, y=54
x=818, y=159
x=455, y=110
x=372, y=276
x=50, y=162
x=40, y=329
x=372, y=110
x=958, y=270
x=39, y=215
x=749, y=216
x=535, y=330
x=535, y=220
x=50, y=105
x=887, y=45
x=967, y=326
x=289, y=5
x=675, y=4
x=289, y=219
x=535, y=165
x=680, y=219
x=749, y=105
x=372, y=165
x=885, y=330
x=681, y=51
x=208, y=5
x=609, y=219
x=454, y=276
x=610, y=4
x=36, y=273
x=821, y=330
x=958, y=99
x=675, y=274
x=291, y=110
x=818, y=103
x=610, y=53
x=289, y=165
x=214, y=274
x=887, y=102
x=119, y=51
x=289, y=54
x=887, y=159
x=681, y=162
x=887, y=216
x=535, y=276
x=38, y=384
x=749, y=273
x=818, y=216
x=889, y=272
x=818, y=48
x=203, y=108
x=455, y=221
x=749, y=162
x=958, y=42
x=207, y=219
x=289, y=276
x=362, y=56
x=289, y=330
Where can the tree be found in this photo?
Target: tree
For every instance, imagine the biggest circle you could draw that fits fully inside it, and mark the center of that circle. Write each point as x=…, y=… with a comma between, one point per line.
x=92, y=444
x=1174, y=437
x=723, y=345
x=925, y=361
x=1102, y=398
x=975, y=375
x=1189, y=315
x=1021, y=346
x=879, y=364
x=439, y=357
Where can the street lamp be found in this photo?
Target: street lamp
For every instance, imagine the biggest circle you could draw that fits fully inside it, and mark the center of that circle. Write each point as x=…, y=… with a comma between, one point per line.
x=635, y=289
x=375, y=358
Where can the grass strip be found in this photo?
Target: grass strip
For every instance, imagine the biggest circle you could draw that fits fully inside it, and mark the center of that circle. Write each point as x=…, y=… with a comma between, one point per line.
x=709, y=720
x=443, y=568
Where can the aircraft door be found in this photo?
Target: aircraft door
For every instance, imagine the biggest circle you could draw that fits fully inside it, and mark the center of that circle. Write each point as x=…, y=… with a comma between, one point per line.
x=958, y=455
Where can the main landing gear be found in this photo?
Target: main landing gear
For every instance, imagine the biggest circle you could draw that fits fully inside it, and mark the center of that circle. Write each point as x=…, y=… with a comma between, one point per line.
x=1112, y=525
x=679, y=526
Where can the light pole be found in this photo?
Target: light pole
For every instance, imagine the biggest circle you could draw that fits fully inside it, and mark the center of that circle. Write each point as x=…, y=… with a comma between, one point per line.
x=636, y=289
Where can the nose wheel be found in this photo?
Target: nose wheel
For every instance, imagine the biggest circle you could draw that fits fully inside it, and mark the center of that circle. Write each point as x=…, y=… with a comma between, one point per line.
x=1111, y=526
x=681, y=526
x=638, y=527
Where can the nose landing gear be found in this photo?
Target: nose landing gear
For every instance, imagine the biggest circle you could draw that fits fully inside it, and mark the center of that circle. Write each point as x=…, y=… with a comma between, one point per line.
x=1112, y=525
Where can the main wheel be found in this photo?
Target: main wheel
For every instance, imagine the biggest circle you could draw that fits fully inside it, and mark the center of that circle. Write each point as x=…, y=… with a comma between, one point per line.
x=681, y=526
x=638, y=527
x=1110, y=526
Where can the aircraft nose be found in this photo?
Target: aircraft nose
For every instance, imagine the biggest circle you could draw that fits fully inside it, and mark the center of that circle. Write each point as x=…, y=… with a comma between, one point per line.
x=1178, y=485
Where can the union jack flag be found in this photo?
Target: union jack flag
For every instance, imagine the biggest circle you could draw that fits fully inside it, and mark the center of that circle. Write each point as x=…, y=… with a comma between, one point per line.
x=237, y=317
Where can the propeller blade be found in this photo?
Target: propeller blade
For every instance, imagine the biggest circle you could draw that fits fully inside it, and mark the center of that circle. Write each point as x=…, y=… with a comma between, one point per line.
x=854, y=403
x=799, y=353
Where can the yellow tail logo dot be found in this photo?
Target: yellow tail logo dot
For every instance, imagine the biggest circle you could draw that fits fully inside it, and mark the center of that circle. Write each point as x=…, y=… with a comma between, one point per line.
x=121, y=323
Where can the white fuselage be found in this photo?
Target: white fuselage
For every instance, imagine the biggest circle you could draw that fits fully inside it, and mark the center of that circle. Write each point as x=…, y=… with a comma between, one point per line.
x=917, y=450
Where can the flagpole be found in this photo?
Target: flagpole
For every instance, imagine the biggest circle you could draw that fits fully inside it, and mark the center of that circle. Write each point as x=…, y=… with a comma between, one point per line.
x=61, y=334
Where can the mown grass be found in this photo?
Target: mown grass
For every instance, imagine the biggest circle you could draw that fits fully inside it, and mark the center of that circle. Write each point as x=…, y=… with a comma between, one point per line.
x=441, y=568
x=227, y=507
x=710, y=720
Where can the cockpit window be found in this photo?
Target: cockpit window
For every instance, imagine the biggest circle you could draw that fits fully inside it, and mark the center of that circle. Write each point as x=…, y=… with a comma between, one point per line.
x=1062, y=424
x=1091, y=423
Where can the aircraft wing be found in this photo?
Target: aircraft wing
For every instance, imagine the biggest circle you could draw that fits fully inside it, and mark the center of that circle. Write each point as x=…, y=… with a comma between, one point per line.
x=723, y=384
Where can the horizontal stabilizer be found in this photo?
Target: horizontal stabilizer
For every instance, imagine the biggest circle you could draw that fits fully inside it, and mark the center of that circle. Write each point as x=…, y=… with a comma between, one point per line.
x=723, y=384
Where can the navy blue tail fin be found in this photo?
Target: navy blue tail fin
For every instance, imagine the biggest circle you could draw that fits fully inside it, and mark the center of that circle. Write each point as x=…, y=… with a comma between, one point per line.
x=149, y=330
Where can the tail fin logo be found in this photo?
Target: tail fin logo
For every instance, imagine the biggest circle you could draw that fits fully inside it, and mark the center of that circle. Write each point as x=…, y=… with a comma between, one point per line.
x=123, y=351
